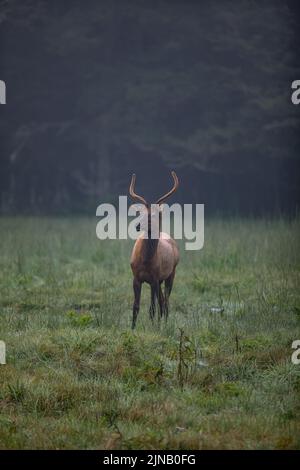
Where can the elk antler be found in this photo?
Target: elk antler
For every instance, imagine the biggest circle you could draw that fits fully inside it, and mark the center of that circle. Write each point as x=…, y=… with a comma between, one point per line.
x=162, y=199
x=133, y=194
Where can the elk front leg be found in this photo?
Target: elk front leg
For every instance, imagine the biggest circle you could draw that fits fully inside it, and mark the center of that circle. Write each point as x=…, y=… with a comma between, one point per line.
x=137, y=287
x=152, y=305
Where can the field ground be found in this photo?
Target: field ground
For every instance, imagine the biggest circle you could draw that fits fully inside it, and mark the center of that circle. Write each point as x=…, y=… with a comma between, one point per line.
x=217, y=375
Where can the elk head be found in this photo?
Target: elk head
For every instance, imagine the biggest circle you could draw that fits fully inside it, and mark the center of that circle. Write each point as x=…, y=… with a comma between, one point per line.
x=151, y=215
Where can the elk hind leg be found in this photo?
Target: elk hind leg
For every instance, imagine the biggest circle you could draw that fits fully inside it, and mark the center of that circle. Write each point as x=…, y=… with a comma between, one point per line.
x=168, y=288
x=153, y=302
x=161, y=301
x=137, y=287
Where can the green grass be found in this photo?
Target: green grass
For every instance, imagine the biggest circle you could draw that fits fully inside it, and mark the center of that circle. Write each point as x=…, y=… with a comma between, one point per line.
x=77, y=377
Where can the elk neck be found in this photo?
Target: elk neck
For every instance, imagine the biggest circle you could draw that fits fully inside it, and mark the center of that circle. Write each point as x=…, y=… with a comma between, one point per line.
x=149, y=248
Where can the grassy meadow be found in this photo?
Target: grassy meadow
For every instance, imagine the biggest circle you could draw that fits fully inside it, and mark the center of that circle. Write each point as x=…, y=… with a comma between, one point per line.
x=217, y=375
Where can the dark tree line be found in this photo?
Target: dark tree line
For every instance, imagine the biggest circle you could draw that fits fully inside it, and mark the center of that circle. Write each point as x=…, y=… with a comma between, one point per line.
x=99, y=89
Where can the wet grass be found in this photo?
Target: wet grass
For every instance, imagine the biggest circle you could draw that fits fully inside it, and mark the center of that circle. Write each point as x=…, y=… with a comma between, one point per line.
x=217, y=375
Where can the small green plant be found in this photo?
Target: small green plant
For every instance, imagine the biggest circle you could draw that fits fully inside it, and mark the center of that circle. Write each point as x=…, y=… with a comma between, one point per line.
x=296, y=310
x=187, y=358
x=201, y=284
x=230, y=389
x=152, y=372
x=129, y=343
x=79, y=319
x=16, y=392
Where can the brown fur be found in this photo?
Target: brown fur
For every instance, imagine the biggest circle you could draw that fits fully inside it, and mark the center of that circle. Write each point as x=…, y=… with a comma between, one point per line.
x=161, y=262
x=154, y=261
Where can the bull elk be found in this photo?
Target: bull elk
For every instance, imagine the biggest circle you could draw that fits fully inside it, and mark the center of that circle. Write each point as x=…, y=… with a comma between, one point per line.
x=153, y=260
